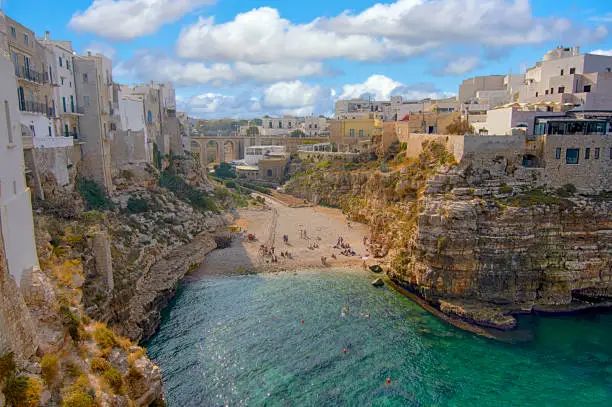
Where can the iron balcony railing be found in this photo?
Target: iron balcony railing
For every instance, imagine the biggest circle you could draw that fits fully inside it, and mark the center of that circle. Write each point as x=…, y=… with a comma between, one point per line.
x=32, y=107
x=29, y=74
x=71, y=134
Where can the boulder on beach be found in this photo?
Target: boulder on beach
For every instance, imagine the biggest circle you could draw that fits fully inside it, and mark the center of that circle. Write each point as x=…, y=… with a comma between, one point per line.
x=376, y=268
x=378, y=282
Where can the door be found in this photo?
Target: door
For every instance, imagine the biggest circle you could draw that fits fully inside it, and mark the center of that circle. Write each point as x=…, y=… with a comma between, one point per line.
x=72, y=103
x=27, y=66
x=64, y=103
x=66, y=131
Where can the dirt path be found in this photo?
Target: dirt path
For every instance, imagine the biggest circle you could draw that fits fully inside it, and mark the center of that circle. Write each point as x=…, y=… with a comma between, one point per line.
x=306, y=228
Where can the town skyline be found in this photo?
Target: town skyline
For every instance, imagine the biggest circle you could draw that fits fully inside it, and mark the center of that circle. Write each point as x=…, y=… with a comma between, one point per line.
x=207, y=49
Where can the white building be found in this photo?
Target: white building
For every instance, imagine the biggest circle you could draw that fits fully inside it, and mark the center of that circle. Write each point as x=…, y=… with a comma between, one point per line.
x=15, y=199
x=61, y=76
x=566, y=77
x=315, y=126
x=254, y=154
x=282, y=126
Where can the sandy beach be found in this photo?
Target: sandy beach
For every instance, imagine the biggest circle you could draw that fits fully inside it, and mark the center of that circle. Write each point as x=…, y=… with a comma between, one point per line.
x=306, y=228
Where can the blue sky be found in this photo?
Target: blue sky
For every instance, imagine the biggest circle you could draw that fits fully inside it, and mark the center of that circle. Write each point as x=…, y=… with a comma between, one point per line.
x=246, y=58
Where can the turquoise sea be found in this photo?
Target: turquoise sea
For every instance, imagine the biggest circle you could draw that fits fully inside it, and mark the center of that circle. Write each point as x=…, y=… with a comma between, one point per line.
x=240, y=341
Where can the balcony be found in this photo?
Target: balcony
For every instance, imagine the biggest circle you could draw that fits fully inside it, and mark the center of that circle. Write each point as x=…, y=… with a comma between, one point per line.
x=33, y=107
x=71, y=135
x=53, y=142
x=28, y=74
x=72, y=112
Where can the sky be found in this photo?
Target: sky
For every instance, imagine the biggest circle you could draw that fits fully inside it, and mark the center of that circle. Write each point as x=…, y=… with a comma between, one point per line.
x=249, y=58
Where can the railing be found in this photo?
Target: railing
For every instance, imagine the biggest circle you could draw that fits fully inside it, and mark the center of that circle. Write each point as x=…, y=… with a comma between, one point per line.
x=29, y=74
x=33, y=107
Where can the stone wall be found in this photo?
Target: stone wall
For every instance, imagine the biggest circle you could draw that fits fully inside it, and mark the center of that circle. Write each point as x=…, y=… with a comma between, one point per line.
x=17, y=333
x=588, y=175
x=57, y=161
x=129, y=148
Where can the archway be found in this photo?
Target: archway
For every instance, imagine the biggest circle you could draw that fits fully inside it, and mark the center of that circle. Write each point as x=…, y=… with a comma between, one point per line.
x=229, y=151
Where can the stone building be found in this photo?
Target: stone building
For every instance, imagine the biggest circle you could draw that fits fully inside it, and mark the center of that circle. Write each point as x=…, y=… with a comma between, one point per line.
x=354, y=135
x=315, y=126
x=95, y=96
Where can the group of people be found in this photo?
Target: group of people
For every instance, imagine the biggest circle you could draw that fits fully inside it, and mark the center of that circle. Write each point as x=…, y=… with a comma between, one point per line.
x=345, y=247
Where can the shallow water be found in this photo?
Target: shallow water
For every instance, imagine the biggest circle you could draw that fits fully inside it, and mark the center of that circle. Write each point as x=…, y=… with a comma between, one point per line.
x=239, y=341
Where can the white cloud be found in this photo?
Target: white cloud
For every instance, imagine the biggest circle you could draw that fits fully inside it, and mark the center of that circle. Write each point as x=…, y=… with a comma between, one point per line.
x=145, y=67
x=100, y=48
x=486, y=22
x=377, y=86
x=381, y=87
x=606, y=52
x=219, y=105
x=262, y=36
x=291, y=95
x=279, y=71
x=128, y=19
x=461, y=65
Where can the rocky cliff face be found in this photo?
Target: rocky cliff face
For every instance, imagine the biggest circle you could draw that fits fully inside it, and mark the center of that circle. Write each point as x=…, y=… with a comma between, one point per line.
x=472, y=245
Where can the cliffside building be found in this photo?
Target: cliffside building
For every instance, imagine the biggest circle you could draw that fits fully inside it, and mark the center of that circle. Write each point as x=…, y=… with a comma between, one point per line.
x=355, y=135
x=15, y=199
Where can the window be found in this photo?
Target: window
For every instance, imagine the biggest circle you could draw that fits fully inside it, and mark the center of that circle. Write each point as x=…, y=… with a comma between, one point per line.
x=552, y=91
x=597, y=153
x=537, y=94
x=85, y=78
x=352, y=132
x=546, y=91
x=50, y=132
x=60, y=61
x=572, y=155
x=269, y=173
x=86, y=100
x=150, y=117
x=572, y=71
x=289, y=124
x=72, y=103
x=66, y=131
x=587, y=88
x=26, y=40
x=67, y=64
x=558, y=153
x=70, y=84
x=9, y=130
x=562, y=72
x=270, y=125
x=33, y=129
x=561, y=89
x=13, y=32
x=62, y=79
x=587, y=153
x=64, y=103
x=608, y=69
x=280, y=124
x=360, y=133
x=610, y=153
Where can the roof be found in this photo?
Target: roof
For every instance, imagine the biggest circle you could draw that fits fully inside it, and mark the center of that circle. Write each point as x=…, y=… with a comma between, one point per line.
x=247, y=168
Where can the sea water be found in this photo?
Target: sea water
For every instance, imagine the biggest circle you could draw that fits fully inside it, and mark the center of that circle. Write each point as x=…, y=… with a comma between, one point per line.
x=240, y=341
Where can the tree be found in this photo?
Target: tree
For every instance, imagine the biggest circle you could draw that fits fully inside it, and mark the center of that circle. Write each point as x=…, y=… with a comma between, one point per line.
x=298, y=133
x=460, y=127
x=224, y=170
x=252, y=131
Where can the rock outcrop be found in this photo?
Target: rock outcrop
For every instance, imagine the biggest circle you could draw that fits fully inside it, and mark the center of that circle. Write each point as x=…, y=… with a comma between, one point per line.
x=474, y=242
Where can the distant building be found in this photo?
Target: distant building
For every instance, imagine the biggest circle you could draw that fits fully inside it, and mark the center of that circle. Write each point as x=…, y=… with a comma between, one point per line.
x=272, y=126
x=355, y=135
x=315, y=126
x=264, y=163
x=566, y=77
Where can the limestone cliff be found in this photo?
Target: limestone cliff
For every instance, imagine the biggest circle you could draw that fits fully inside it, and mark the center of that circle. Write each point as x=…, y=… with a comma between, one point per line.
x=470, y=241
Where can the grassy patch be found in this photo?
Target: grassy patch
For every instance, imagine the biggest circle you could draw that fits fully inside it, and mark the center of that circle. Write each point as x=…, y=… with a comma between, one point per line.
x=104, y=337
x=100, y=365
x=187, y=193
x=93, y=195
x=112, y=377
x=49, y=365
x=22, y=392
x=137, y=205
x=537, y=197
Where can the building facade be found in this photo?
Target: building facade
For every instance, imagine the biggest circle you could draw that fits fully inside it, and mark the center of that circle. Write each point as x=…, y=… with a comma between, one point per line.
x=15, y=199
x=566, y=77
x=354, y=135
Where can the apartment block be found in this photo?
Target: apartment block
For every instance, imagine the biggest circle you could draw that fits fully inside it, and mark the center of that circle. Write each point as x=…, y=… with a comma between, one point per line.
x=355, y=135
x=566, y=77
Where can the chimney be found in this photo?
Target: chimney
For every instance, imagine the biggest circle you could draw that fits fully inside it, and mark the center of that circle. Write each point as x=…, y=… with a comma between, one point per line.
x=47, y=35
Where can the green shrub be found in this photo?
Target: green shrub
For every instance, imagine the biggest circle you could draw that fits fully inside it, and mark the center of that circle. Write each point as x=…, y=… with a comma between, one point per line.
x=230, y=184
x=566, y=191
x=22, y=392
x=137, y=205
x=134, y=382
x=49, y=365
x=80, y=399
x=100, y=365
x=442, y=243
x=94, y=196
x=113, y=378
x=224, y=170
x=71, y=322
x=157, y=157
x=7, y=365
x=186, y=192
x=505, y=189
x=104, y=337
